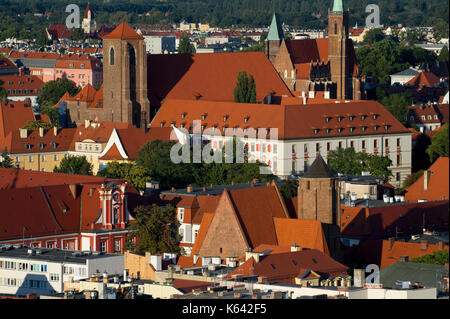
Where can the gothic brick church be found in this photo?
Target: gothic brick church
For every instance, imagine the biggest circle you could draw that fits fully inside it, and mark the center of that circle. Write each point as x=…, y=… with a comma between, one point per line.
x=327, y=65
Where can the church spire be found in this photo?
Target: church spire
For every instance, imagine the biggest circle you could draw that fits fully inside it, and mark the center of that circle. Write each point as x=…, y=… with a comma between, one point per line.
x=337, y=6
x=275, y=29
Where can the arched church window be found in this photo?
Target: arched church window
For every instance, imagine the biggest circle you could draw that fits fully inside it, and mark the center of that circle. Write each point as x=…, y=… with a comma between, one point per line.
x=111, y=56
x=335, y=28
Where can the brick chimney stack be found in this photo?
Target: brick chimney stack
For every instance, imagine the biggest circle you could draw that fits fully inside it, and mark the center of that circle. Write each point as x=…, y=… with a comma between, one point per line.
x=424, y=245
x=391, y=242
x=426, y=179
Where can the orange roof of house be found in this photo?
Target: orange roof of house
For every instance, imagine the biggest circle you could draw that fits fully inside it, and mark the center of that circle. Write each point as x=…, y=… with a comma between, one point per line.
x=206, y=221
x=292, y=121
x=123, y=32
x=210, y=76
x=438, y=183
x=256, y=208
x=380, y=253
x=25, y=85
x=14, y=115
x=302, y=232
x=97, y=101
x=284, y=267
x=113, y=154
x=424, y=78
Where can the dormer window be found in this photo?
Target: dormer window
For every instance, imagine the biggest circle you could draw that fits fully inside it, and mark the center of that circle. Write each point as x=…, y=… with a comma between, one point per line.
x=40, y=145
x=363, y=117
x=350, y=118
x=225, y=118
x=386, y=127
x=374, y=116
x=183, y=115
x=27, y=146
x=351, y=129
x=53, y=144
x=363, y=128
x=162, y=124
x=327, y=119
x=316, y=131
x=339, y=129
x=246, y=119
x=375, y=127
x=328, y=130
x=203, y=117
x=339, y=118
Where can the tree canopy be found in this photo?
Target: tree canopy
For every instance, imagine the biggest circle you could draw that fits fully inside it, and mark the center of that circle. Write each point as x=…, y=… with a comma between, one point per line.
x=6, y=161
x=245, y=89
x=436, y=258
x=397, y=104
x=137, y=175
x=347, y=161
x=35, y=125
x=439, y=144
x=77, y=165
x=3, y=92
x=154, y=230
x=185, y=46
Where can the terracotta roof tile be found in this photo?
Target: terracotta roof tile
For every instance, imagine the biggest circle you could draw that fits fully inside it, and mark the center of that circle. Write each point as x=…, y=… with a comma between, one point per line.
x=123, y=31
x=424, y=78
x=206, y=221
x=438, y=183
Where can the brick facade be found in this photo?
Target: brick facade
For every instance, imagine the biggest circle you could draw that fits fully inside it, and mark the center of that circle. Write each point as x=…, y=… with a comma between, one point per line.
x=225, y=237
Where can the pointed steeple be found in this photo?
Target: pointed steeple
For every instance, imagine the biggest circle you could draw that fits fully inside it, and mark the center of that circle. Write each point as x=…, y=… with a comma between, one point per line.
x=276, y=30
x=319, y=169
x=337, y=6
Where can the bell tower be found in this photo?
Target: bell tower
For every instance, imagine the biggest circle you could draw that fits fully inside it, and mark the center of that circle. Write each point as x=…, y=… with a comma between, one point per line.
x=125, y=92
x=274, y=38
x=338, y=49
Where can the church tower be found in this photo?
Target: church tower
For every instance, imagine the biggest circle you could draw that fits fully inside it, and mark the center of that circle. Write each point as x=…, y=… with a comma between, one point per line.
x=319, y=199
x=273, y=41
x=338, y=50
x=125, y=93
x=89, y=25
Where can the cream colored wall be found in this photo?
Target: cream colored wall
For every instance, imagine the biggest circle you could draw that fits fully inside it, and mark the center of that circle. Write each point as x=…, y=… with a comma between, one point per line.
x=40, y=161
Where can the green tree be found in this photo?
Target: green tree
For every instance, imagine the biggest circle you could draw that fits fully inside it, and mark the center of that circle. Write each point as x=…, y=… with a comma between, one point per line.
x=185, y=46
x=289, y=189
x=347, y=161
x=35, y=125
x=77, y=34
x=78, y=165
x=440, y=29
x=135, y=174
x=437, y=258
x=443, y=55
x=154, y=230
x=3, y=92
x=439, y=144
x=245, y=89
x=6, y=162
x=397, y=104
x=373, y=36
x=53, y=91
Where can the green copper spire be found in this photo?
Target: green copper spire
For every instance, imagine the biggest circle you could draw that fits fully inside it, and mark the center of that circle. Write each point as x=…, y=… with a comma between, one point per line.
x=275, y=30
x=337, y=6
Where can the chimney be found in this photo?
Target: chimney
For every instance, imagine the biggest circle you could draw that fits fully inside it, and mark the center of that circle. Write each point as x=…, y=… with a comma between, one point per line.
x=294, y=248
x=23, y=133
x=440, y=245
x=55, y=130
x=391, y=242
x=189, y=189
x=125, y=275
x=233, y=183
x=249, y=254
x=424, y=245
x=156, y=261
x=262, y=280
x=41, y=132
x=404, y=258
x=426, y=179
x=87, y=123
x=195, y=258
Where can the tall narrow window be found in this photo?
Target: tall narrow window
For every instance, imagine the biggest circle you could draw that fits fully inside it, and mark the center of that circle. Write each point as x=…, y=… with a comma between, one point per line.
x=335, y=28
x=111, y=56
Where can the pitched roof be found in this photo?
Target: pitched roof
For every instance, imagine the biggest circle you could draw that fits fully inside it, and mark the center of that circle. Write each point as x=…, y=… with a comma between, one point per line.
x=292, y=121
x=20, y=178
x=405, y=219
x=88, y=8
x=209, y=76
x=304, y=233
x=319, y=169
x=380, y=252
x=123, y=32
x=424, y=78
x=22, y=85
x=275, y=30
x=255, y=209
x=284, y=267
x=438, y=183
x=206, y=221
x=14, y=115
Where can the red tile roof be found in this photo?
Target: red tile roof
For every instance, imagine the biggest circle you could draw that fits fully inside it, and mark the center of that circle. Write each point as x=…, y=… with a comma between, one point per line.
x=304, y=233
x=417, y=111
x=292, y=121
x=123, y=32
x=438, y=183
x=210, y=77
x=206, y=221
x=284, y=267
x=14, y=115
x=424, y=78
x=380, y=253
x=385, y=221
x=23, y=85
x=256, y=208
